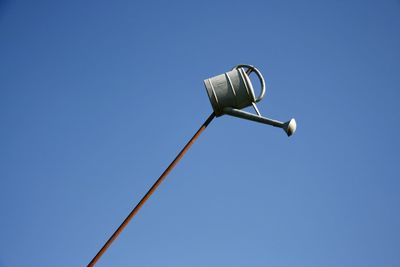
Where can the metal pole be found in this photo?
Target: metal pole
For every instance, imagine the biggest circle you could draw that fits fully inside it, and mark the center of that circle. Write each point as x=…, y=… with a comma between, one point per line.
x=151, y=190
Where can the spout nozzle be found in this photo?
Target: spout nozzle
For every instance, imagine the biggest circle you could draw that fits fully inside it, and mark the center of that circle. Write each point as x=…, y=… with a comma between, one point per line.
x=290, y=127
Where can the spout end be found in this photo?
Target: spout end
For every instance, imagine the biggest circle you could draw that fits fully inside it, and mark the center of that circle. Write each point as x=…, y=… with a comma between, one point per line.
x=290, y=127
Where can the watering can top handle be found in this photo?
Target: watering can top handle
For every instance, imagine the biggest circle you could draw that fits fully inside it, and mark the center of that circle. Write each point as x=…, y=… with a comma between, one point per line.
x=250, y=69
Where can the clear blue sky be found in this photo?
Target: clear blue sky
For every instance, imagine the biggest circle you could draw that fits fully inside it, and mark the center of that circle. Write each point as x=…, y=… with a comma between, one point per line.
x=97, y=97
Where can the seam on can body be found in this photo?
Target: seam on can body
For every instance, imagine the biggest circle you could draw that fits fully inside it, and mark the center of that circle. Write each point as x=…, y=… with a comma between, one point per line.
x=246, y=85
x=233, y=88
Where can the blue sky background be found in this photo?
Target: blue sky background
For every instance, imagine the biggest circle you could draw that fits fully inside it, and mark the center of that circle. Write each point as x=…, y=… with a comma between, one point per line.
x=97, y=97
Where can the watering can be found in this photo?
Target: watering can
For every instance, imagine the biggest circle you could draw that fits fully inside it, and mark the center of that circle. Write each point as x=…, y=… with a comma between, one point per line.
x=232, y=91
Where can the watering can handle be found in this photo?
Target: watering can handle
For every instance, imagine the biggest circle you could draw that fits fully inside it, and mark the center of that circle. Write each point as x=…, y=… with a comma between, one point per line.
x=250, y=69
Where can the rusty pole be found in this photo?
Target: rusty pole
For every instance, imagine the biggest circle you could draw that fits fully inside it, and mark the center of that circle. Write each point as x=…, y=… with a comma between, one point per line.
x=151, y=191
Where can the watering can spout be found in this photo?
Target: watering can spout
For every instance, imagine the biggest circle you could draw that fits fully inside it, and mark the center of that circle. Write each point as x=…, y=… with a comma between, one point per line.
x=289, y=127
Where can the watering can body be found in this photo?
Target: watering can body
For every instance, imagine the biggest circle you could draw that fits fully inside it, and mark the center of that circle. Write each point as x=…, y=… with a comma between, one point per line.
x=232, y=91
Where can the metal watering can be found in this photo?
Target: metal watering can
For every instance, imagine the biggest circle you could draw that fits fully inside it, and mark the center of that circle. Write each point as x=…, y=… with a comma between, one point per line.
x=233, y=90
